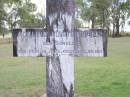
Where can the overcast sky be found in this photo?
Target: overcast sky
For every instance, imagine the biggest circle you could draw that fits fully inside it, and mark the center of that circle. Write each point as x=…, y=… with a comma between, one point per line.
x=41, y=5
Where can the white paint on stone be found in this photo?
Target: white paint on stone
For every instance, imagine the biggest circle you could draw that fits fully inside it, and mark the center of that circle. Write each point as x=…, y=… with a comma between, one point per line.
x=68, y=20
x=52, y=17
x=67, y=70
x=60, y=26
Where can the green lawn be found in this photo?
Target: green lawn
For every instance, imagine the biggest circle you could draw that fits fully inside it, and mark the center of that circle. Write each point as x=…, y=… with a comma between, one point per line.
x=96, y=77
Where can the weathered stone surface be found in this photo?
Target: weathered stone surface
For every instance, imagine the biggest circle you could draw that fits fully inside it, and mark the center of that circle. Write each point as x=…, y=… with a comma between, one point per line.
x=60, y=67
x=33, y=42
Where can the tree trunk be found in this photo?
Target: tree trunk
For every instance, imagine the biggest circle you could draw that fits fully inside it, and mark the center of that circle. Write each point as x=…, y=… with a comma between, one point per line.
x=113, y=32
x=93, y=21
x=117, y=34
x=60, y=67
x=103, y=19
x=3, y=35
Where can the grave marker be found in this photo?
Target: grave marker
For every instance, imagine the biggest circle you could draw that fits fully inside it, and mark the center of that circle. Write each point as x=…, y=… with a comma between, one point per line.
x=59, y=43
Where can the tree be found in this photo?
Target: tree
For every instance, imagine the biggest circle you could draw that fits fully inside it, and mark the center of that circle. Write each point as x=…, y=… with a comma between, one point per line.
x=120, y=12
x=77, y=23
x=96, y=11
x=88, y=11
x=2, y=16
x=19, y=13
x=102, y=7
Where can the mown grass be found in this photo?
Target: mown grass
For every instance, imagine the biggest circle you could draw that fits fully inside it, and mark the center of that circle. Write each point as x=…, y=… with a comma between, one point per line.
x=96, y=77
x=20, y=77
x=106, y=77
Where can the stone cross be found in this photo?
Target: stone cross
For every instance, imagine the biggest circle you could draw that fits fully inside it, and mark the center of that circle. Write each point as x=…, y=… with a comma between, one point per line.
x=59, y=43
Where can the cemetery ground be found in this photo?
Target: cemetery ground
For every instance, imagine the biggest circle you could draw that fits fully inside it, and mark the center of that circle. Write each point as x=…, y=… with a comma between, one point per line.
x=94, y=77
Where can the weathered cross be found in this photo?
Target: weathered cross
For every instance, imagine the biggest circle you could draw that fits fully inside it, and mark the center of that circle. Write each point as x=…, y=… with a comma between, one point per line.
x=59, y=43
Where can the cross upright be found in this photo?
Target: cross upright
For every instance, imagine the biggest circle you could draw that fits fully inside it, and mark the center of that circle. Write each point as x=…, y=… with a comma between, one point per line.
x=59, y=43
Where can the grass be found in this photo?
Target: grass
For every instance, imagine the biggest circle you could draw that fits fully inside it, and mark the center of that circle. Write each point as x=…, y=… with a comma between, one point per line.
x=20, y=77
x=96, y=77
x=5, y=40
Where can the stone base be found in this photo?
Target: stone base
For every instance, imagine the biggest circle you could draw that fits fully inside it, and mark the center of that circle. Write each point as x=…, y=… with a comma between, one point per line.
x=43, y=95
x=75, y=96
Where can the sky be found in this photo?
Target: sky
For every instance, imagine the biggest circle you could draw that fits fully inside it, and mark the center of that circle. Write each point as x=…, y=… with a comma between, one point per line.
x=41, y=6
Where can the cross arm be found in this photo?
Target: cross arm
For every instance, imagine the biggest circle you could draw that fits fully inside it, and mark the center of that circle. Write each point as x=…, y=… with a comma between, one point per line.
x=92, y=42
x=33, y=42
x=30, y=42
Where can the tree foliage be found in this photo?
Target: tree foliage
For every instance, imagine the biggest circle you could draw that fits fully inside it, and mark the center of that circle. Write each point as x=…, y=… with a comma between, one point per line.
x=102, y=13
x=95, y=11
x=19, y=13
x=120, y=13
